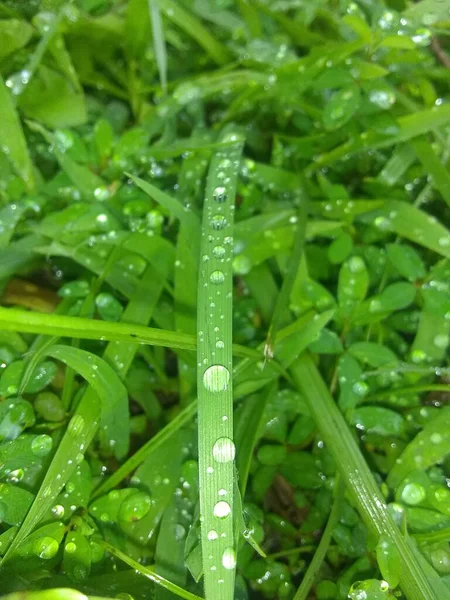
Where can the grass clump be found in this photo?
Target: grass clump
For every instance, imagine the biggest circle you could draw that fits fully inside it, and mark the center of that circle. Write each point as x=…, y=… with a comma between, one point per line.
x=225, y=320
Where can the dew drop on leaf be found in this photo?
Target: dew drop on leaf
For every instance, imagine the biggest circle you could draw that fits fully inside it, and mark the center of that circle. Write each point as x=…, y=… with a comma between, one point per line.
x=45, y=547
x=221, y=509
x=224, y=450
x=217, y=277
x=76, y=425
x=41, y=445
x=229, y=558
x=220, y=194
x=216, y=378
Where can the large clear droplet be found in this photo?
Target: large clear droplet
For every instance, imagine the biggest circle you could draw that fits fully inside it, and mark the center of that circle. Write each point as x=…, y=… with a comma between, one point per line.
x=229, y=558
x=216, y=378
x=220, y=194
x=217, y=277
x=224, y=450
x=221, y=509
x=218, y=222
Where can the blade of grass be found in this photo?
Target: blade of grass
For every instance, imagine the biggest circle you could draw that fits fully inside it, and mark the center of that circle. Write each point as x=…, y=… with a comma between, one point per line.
x=172, y=205
x=150, y=573
x=214, y=386
x=433, y=166
x=82, y=177
x=79, y=433
x=194, y=28
x=13, y=139
x=319, y=555
x=88, y=329
x=359, y=480
x=279, y=313
x=159, y=44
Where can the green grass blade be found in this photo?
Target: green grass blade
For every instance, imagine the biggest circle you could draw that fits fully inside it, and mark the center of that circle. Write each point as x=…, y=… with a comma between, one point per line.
x=358, y=479
x=79, y=433
x=413, y=224
x=433, y=167
x=83, y=178
x=88, y=329
x=172, y=205
x=194, y=28
x=13, y=139
x=281, y=311
x=319, y=555
x=150, y=573
x=159, y=44
x=214, y=386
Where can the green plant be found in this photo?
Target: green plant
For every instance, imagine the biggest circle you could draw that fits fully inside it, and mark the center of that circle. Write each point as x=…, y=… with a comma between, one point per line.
x=225, y=320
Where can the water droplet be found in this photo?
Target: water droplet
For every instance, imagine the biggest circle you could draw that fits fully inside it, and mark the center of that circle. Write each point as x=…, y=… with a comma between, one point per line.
x=219, y=251
x=58, y=511
x=135, y=507
x=444, y=241
x=436, y=438
x=45, y=547
x=356, y=264
x=220, y=345
x=224, y=450
x=217, y=277
x=413, y=493
x=70, y=548
x=76, y=425
x=41, y=445
x=441, y=341
x=221, y=509
x=216, y=378
x=218, y=222
x=15, y=476
x=212, y=535
x=220, y=194
x=229, y=558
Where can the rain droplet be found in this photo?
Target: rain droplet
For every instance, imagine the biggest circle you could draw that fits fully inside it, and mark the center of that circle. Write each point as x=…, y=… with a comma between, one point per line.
x=413, y=493
x=76, y=425
x=220, y=345
x=216, y=378
x=221, y=509
x=41, y=445
x=45, y=547
x=220, y=194
x=70, y=548
x=218, y=222
x=229, y=558
x=212, y=535
x=58, y=511
x=218, y=251
x=224, y=450
x=217, y=277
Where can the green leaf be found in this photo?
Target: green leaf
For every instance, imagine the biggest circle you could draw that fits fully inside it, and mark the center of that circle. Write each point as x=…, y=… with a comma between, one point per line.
x=341, y=108
x=214, y=385
x=407, y=261
x=376, y=419
x=13, y=140
x=353, y=283
x=375, y=355
x=14, y=503
x=426, y=449
x=14, y=35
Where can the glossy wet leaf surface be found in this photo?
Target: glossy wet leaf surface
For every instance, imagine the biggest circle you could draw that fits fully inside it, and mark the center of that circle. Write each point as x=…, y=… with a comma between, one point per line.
x=225, y=302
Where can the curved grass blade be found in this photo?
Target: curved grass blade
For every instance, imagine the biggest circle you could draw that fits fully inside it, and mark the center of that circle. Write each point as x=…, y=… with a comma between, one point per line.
x=214, y=387
x=174, y=206
x=159, y=44
x=80, y=431
x=319, y=555
x=13, y=139
x=150, y=573
x=414, y=581
x=88, y=329
x=194, y=28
